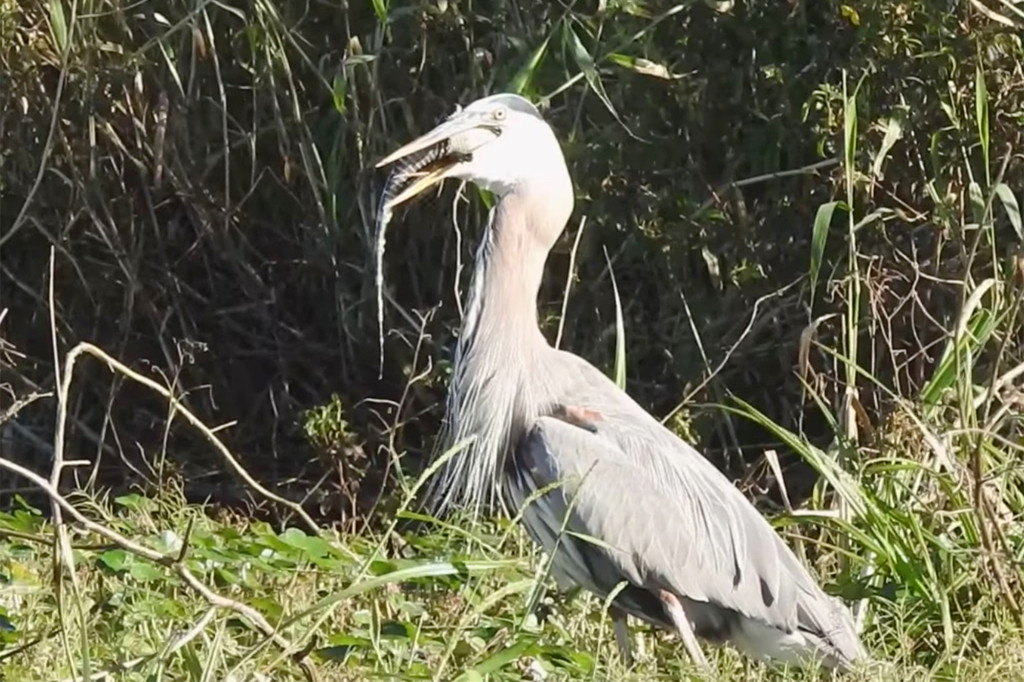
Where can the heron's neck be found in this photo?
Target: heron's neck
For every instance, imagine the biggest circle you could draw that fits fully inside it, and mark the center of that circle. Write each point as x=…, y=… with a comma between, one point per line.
x=499, y=383
x=509, y=268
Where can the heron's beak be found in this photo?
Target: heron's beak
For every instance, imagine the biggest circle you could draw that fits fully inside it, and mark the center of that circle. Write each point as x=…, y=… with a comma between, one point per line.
x=430, y=157
x=454, y=126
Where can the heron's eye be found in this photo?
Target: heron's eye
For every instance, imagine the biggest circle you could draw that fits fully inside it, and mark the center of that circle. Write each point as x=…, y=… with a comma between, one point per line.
x=498, y=114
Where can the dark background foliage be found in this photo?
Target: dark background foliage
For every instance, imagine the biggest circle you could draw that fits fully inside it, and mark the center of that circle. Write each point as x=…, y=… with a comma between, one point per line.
x=204, y=181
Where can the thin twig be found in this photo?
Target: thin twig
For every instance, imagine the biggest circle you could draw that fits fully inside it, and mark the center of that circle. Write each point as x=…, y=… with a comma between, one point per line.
x=729, y=353
x=803, y=170
x=20, y=404
x=178, y=407
x=63, y=557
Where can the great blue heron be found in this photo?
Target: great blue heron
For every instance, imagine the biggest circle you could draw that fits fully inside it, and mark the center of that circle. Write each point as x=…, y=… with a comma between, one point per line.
x=617, y=500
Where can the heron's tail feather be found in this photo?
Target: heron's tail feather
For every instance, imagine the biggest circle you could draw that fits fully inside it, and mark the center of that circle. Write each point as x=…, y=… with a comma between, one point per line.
x=840, y=648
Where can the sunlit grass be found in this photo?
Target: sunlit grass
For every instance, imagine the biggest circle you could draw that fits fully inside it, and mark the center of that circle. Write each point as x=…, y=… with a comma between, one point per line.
x=446, y=605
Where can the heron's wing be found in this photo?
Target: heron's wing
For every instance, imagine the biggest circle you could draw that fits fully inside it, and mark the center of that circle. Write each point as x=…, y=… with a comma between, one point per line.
x=661, y=517
x=613, y=518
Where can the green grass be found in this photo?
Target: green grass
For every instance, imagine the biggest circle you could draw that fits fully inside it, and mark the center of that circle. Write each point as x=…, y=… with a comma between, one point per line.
x=435, y=604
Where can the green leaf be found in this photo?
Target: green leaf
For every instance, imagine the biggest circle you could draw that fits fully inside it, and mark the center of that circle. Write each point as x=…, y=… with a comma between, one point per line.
x=981, y=112
x=8, y=630
x=1011, y=207
x=340, y=646
x=486, y=198
x=348, y=640
x=620, y=331
x=850, y=14
x=393, y=629
x=114, y=559
x=226, y=577
x=58, y=25
x=338, y=90
x=850, y=131
x=310, y=545
x=21, y=520
x=144, y=572
x=589, y=70
x=132, y=501
x=502, y=658
x=23, y=505
x=380, y=8
x=524, y=77
x=270, y=608
x=819, y=236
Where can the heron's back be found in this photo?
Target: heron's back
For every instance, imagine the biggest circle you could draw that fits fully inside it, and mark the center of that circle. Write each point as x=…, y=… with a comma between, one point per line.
x=664, y=518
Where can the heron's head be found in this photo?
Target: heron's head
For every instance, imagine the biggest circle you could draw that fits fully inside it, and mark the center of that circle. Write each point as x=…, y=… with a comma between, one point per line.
x=500, y=143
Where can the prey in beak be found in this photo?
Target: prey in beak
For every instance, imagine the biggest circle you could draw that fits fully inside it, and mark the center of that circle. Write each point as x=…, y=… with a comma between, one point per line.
x=424, y=162
x=421, y=169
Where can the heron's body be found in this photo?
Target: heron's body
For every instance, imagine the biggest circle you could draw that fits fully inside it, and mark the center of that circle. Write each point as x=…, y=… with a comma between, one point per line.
x=556, y=439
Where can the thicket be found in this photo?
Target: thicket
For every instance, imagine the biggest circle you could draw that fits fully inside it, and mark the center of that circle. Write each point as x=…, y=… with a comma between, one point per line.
x=811, y=210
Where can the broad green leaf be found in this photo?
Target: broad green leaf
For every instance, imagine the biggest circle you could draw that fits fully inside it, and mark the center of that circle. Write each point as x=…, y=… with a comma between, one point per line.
x=486, y=198
x=394, y=629
x=819, y=236
x=340, y=646
x=114, y=559
x=310, y=545
x=503, y=658
x=21, y=520
x=226, y=577
x=270, y=608
x=348, y=640
x=470, y=676
x=145, y=572
x=58, y=25
x=133, y=501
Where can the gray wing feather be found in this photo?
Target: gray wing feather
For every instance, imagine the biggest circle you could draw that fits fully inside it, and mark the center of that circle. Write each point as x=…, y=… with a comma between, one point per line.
x=654, y=530
x=663, y=517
